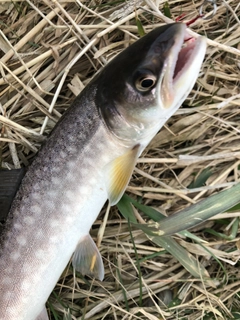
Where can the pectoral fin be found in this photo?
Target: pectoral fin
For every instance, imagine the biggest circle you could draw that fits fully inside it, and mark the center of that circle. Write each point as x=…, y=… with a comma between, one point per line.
x=87, y=259
x=118, y=173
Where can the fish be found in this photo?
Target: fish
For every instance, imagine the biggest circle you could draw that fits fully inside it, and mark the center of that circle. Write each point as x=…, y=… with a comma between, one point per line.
x=88, y=158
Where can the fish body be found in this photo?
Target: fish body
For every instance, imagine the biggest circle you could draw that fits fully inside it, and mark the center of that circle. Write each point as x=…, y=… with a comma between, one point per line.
x=40, y=240
x=89, y=158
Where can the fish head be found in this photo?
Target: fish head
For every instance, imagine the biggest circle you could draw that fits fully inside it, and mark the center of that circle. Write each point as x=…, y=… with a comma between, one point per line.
x=145, y=84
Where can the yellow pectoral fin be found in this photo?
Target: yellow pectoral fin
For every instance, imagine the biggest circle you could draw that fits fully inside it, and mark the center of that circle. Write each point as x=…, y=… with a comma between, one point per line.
x=118, y=173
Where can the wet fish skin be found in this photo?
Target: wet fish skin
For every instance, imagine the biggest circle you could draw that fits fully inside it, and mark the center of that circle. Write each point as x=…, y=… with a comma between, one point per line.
x=88, y=158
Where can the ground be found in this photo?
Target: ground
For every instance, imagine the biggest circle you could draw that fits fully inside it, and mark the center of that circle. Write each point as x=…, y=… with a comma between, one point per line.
x=57, y=46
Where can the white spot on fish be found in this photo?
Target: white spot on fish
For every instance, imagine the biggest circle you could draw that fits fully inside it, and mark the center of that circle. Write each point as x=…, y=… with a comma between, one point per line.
x=21, y=240
x=40, y=254
x=36, y=188
x=11, y=313
x=24, y=299
x=71, y=138
x=92, y=181
x=49, y=204
x=72, y=149
x=105, y=158
x=28, y=220
x=17, y=226
x=83, y=190
x=26, y=285
x=35, y=196
x=56, y=180
x=15, y=256
x=54, y=223
x=70, y=195
x=53, y=194
x=71, y=164
x=7, y=280
x=66, y=208
x=39, y=234
x=53, y=239
x=85, y=171
x=56, y=169
x=36, y=210
x=91, y=162
x=68, y=219
x=62, y=154
x=7, y=295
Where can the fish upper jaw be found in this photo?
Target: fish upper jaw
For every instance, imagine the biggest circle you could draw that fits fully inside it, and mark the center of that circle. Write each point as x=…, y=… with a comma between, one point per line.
x=181, y=69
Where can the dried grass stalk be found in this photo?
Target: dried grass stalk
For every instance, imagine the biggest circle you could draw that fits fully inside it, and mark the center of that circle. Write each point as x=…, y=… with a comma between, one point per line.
x=49, y=51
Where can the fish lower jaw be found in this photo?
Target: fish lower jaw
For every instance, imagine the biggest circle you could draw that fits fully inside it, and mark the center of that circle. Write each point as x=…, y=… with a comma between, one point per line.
x=181, y=72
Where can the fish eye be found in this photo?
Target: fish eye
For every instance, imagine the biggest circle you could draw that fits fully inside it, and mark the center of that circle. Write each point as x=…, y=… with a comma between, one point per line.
x=145, y=82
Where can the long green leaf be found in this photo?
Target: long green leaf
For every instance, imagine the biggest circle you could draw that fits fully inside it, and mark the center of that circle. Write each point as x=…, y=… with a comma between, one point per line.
x=185, y=258
x=197, y=213
x=125, y=207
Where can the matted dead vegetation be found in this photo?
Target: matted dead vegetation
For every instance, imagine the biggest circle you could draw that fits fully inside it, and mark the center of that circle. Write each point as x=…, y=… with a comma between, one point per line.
x=49, y=51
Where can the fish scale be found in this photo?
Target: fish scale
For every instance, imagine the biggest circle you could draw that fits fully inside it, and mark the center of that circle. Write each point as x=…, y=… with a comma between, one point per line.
x=89, y=158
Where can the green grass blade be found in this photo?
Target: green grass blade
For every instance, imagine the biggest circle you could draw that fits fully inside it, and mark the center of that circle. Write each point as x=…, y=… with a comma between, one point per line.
x=140, y=27
x=199, y=212
x=231, y=236
x=127, y=202
x=183, y=256
x=124, y=292
x=166, y=10
x=201, y=179
x=138, y=266
x=125, y=207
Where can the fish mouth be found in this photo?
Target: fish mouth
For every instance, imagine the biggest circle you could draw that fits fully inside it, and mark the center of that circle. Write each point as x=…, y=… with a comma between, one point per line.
x=181, y=68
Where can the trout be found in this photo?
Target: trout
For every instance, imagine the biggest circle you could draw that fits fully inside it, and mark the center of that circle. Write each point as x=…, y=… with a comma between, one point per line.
x=89, y=158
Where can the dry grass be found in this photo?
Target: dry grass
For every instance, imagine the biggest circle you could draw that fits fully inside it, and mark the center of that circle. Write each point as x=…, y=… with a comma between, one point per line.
x=49, y=52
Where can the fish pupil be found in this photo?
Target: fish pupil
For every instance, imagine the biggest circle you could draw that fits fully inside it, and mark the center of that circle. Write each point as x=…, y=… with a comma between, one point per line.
x=147, y=83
